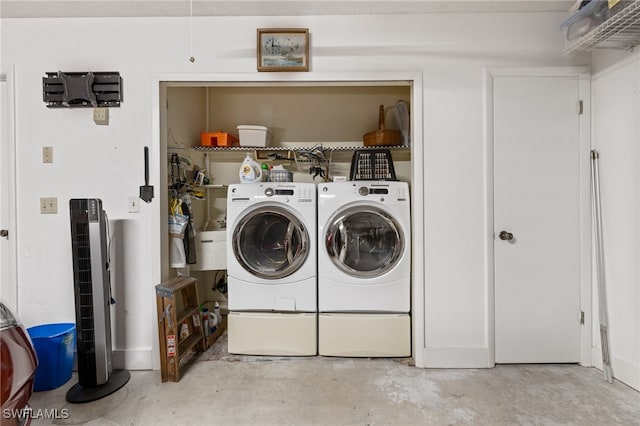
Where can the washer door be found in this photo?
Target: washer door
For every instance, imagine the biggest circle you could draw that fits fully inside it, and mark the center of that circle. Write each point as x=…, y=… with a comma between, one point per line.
x=364, y=241
x=270, y=242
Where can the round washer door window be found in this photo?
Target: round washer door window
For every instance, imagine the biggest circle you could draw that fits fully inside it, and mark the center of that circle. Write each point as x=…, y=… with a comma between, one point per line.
x=364, y=241
x=270, y=242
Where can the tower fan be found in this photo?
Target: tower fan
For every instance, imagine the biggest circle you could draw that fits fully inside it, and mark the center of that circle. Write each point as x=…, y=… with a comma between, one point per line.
x=92, y=290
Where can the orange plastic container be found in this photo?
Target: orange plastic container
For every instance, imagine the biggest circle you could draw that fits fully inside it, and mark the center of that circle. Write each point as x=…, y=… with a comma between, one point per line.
x=218, y=139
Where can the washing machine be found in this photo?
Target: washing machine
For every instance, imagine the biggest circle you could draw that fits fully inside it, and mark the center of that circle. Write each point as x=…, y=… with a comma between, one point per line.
x=364, y=269
x=272, y=268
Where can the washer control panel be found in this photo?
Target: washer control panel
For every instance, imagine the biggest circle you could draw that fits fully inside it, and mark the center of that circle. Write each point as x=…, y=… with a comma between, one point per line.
x=299, y=194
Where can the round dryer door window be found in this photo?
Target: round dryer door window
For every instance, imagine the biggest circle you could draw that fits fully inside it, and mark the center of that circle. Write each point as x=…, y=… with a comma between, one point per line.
x=364, y=241
x=270, y=242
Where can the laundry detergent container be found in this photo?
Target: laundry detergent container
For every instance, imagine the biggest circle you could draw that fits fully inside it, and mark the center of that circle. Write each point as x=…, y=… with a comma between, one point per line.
x=54, y=345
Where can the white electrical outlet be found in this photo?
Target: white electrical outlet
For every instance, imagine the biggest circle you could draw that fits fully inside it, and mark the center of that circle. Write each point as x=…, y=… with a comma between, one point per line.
x=47, y=154
x=134, y=205
x=49, y=205
x=101, y=116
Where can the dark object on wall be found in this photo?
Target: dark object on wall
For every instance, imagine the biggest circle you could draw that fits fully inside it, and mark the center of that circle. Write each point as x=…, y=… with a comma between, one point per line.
x=82, y=89
x=92, y=290
x=146, y=190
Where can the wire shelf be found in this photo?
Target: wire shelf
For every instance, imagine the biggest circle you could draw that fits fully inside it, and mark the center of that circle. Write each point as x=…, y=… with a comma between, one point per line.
x=292, y=148
x=620, y=31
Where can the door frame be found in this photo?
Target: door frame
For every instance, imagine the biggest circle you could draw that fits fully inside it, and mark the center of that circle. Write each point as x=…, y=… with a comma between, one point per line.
x=158, y=161
x=584, y=76
x=8, y=198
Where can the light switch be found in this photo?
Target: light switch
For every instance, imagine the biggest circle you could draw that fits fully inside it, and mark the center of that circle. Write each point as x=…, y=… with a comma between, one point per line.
x=134, y=204
x=47, y=154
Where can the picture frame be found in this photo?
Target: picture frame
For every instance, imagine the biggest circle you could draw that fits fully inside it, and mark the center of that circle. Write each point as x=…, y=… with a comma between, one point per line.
x=283, y=49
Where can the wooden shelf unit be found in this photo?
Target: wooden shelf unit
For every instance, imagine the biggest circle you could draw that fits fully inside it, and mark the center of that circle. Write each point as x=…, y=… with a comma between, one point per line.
x=178, y=303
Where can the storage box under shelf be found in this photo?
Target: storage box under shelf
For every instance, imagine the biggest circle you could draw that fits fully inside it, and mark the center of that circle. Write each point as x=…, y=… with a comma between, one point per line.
x=212, y=255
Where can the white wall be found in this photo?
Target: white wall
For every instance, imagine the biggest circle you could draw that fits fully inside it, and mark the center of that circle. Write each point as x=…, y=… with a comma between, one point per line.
x=616, y=136
x=451, y=51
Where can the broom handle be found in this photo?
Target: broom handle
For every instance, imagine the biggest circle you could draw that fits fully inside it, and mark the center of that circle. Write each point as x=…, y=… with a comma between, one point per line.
x=602, y=295
x=146, y=165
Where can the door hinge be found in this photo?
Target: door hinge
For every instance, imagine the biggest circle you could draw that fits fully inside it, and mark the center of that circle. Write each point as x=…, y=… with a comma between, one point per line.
x=580, y=107
x=581, y=317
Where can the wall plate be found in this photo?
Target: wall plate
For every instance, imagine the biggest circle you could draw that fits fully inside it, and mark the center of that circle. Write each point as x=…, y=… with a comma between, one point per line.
x=48, y=205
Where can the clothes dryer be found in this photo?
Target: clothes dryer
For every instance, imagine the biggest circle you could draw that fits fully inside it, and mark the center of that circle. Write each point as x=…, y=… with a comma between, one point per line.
x=272, y=268
x=364, y=264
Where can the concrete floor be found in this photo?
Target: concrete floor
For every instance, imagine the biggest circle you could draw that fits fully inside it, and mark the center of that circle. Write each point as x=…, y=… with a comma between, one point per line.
x=222, y=389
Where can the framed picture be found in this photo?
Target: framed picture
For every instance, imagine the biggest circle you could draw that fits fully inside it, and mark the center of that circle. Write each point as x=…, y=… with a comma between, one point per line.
x=283, y=49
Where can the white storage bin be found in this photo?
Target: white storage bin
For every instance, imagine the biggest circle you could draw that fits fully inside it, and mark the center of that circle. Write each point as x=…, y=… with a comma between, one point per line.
x=253, y=135
x=212, y=253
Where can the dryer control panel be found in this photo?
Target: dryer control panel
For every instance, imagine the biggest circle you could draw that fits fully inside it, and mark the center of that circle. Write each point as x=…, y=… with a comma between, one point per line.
x=391, y=192
x=363, y=190
x=384, y=192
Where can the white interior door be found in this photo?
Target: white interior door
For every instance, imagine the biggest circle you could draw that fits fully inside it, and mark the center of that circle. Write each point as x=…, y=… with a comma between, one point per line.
x=537, y=219
x=8, y=288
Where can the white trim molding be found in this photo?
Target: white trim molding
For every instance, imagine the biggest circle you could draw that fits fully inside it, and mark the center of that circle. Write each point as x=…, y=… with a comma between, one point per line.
x=457, y=357
x=158, y=162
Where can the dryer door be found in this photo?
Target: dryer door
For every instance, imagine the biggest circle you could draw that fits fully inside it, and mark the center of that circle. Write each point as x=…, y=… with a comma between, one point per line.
x=364, y=241
x=270, y=242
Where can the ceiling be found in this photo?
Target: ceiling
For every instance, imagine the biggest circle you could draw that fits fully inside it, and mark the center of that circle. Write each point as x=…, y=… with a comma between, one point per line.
x=169, y=8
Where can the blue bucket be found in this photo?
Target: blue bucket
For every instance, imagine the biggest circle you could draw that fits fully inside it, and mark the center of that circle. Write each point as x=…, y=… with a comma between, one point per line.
x=55, y=345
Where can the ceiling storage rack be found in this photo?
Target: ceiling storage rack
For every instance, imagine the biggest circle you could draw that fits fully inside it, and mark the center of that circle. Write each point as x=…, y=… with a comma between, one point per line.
x=620, y=30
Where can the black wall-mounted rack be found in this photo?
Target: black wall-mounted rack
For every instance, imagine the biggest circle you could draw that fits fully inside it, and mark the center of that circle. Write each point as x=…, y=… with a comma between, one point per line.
x=82, y=89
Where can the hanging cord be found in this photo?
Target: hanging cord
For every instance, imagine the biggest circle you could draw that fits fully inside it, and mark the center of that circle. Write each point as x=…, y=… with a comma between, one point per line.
x=106, y=219
x=191, y=58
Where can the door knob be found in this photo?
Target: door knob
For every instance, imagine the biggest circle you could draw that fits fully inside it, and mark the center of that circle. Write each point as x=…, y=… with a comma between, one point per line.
x=505, y=236
x=4, y=233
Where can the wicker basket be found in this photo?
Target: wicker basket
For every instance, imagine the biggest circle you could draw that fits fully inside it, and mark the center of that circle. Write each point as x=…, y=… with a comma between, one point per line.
x=382, y=136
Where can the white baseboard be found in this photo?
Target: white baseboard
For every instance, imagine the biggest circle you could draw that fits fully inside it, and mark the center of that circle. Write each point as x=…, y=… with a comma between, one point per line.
x=623, y=370
x=456, y=357
x=140, y=359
